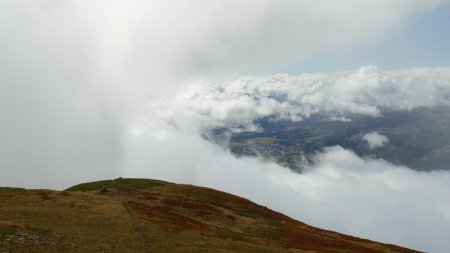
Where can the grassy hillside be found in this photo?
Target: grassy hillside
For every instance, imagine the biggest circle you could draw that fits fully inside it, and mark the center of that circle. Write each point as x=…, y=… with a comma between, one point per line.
x=142, y=215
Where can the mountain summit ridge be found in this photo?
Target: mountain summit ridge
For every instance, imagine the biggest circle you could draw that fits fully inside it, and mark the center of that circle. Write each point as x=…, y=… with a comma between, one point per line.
x=144, y=215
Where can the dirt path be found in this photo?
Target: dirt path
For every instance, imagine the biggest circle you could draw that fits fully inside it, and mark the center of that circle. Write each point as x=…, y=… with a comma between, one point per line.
x=145, y=243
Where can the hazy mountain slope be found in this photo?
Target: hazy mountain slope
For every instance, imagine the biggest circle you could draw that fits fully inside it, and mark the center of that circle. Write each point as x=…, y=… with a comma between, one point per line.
x=141, y=215
x=419, y=139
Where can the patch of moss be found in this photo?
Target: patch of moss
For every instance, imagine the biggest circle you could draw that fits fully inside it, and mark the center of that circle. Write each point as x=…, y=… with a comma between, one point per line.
x=245, y=213
x=223, y=233
x=202, y=198
x=45, y=195
x=207, y=196
x=119, y=183
x=6, y=230
x=41, y=231
x=64, y=193
x=8, y=191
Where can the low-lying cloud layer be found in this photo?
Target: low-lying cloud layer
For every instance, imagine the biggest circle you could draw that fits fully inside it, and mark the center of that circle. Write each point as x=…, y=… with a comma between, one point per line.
x=338, y=190
x=368, y=91
x=82, y=87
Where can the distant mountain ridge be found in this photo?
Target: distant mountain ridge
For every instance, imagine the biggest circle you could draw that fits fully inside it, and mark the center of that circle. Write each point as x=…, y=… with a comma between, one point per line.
x=143, y=215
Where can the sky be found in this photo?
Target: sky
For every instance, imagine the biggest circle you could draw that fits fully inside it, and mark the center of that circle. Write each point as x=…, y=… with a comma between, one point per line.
x=121, y=88
x=421, y=41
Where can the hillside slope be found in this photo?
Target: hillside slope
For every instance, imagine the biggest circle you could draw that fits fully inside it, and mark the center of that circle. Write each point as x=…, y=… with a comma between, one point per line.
x=142, y=215
x=418, y=138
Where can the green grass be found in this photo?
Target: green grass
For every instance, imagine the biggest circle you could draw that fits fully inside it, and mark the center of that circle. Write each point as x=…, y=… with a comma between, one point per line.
x=202, y=197
x=41, y=231
x=44, y=194
x=245, y=213
x=64, y=193
x=229, y=234
x=119, y=183
x=7, y=191
x=6, y=230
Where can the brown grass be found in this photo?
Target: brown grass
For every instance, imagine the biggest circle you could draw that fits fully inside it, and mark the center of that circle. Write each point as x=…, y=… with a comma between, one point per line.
x=175, y=218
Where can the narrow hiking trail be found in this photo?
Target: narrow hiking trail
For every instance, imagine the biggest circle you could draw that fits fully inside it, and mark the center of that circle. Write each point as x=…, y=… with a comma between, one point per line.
x=145, y=243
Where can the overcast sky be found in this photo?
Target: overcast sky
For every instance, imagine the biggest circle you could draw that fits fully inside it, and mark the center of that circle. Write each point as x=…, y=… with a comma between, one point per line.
x=120, y=88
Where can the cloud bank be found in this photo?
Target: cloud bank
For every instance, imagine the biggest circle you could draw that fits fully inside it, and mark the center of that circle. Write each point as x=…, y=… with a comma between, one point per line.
x=74, y=74
x=240, y=101
x=87, y=92
x=338, y=190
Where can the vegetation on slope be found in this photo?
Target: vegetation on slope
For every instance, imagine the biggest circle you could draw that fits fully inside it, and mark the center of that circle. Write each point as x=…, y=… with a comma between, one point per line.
x=418, y=138
x=142, y=215
x=119, y=183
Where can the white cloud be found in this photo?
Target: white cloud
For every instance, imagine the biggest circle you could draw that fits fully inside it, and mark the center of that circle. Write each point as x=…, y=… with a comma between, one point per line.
x=367, y=91
x=73, y=73
x=375, y=140
x=339, y=191
x=74, y=77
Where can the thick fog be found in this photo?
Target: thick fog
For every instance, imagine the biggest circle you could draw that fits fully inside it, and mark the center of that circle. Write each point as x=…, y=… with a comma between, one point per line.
x=117, y=88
